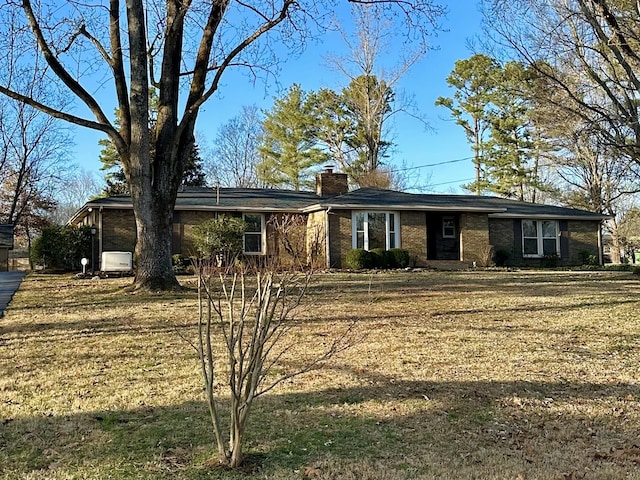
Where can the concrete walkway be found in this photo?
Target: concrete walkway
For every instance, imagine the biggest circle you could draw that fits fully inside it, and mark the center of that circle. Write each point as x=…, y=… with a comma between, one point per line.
x=9, y=283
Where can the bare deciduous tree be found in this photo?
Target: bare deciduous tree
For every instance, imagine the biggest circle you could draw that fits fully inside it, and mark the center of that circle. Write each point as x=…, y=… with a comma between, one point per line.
x=244, y=326
x=183, y=49
x=33, y=149
x=234, y=157
x=303, y=242
x=356, y=124
x=586, y=49
x=79, y=187
x=586, y=55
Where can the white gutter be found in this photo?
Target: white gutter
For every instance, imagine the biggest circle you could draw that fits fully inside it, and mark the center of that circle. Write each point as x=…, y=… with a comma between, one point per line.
x=548, y=217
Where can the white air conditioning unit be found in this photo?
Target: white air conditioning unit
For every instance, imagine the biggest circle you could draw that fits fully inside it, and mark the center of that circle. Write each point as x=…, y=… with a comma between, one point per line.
x=116, y=262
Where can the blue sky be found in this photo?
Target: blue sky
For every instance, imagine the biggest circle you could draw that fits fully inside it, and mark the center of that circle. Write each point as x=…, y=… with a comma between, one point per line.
x=415, y=145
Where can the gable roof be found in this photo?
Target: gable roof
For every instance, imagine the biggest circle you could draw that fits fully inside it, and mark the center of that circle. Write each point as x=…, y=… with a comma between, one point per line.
x=277, y=200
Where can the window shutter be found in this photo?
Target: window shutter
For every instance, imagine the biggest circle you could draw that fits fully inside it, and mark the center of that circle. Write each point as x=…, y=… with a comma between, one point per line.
x=517, y=238
x=564, y=239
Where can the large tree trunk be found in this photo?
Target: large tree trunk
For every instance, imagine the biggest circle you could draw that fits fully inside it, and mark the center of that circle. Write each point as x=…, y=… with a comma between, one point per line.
x=153, y=182
x=154, y=269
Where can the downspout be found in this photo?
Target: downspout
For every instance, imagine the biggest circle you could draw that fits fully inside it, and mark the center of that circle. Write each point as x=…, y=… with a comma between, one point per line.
x=100, y=238
x=460, y=232
x=326, y=238
x=600, y=246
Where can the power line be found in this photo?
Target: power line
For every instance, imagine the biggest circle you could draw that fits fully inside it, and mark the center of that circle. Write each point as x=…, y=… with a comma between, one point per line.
x=452, y=181
x=427, y=165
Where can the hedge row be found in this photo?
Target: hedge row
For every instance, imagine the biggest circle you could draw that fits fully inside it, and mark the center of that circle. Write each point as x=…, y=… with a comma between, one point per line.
x=62, y=247
x=359, y=258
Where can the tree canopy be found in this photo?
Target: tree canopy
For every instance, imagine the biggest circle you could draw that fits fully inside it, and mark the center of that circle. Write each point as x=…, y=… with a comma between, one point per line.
x=494, y=105
x=183, y=49
x=289, y=146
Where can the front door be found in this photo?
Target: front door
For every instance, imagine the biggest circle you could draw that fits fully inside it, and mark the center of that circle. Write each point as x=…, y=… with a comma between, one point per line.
x=443, y=237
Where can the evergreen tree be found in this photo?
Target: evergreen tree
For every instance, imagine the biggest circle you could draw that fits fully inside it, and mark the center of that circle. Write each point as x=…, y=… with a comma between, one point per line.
x=475, y=80
x=493, y=103
x=194, y=175
x=289, y=147
x=510, y=153
x=351, y=126
x=115, y=177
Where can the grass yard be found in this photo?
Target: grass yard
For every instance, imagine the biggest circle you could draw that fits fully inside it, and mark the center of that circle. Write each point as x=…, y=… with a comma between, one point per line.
x=461, y=375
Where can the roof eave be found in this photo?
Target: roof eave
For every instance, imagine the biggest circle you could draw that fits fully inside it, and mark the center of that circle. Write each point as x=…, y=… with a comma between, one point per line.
x=388, y=207
x=550, y=216
x=205, y=208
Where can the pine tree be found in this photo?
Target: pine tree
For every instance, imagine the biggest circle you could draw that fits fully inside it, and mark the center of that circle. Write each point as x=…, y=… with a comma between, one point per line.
x=475, y=80
x=289, y=147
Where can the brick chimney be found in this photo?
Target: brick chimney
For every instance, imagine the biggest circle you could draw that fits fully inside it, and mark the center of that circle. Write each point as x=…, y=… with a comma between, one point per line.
x=330, y=184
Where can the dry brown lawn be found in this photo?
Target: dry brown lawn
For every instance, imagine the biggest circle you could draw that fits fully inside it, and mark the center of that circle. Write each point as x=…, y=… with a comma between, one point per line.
x=461, y=375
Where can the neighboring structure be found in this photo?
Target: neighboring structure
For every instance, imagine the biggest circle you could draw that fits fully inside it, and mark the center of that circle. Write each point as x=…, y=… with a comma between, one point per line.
x=433, y=228
x=6, y=244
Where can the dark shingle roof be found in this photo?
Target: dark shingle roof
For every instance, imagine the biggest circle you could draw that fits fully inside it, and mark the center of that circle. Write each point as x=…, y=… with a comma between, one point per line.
x=275, y=200
x=495, y=206
x=249, y=199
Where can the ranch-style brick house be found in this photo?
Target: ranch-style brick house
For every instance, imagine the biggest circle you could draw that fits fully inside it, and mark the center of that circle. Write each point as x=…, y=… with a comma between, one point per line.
x=435, y=229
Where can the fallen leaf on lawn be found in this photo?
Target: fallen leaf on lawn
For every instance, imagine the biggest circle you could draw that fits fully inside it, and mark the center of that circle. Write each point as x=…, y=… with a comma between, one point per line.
x=312, y=472
x=632, y=454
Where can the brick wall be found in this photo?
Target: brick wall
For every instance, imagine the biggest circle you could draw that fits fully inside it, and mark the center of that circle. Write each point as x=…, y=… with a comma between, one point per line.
x=118, y=231
x=474, y=238
x=413, y=236
x=303, y=236
x=339, y=237
x=286, y=240
x=582, y=237
x=183, y=229
x=316, y=239
x=331, y=184
x=501, y=236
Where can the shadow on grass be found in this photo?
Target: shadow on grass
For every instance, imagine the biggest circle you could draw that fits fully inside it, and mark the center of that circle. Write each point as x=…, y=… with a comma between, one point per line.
x=448, y=421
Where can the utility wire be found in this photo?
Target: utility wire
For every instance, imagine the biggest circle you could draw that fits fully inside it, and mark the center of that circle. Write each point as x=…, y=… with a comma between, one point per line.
x=427, y=165
x=452, y=181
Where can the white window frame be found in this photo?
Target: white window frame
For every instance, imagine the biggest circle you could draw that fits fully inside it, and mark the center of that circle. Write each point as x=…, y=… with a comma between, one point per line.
x=263, y=234
x=390, y=229
x=446, y=225
x=540, y=238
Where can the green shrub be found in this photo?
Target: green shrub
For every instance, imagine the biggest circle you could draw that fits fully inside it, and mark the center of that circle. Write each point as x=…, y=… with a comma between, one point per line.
x=62, y=247
x=636, y=270
x=501, y=257
x=590, y=267
x=219, y=237
x=380, y=258
x=588, y=258
x=550, y=261
x=359, y=258
x=618, y=267
x=182, y=264
x=400, y=258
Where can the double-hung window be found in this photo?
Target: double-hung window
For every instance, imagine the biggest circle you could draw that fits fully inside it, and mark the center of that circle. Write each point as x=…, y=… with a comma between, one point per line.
x=375, y=230
x=448, y=227
x=253, y=239
x=540, y=238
